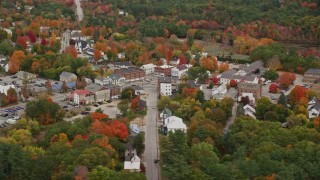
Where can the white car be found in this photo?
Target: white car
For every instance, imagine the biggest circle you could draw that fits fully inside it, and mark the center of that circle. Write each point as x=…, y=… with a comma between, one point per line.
x=11, y=121
x=16, y=117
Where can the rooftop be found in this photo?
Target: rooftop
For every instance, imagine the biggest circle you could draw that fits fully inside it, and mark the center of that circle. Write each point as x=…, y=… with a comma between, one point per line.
x=313, y=71
x=164, y=80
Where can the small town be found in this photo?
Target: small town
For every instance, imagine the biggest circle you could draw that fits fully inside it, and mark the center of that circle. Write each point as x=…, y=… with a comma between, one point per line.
x=138, y=90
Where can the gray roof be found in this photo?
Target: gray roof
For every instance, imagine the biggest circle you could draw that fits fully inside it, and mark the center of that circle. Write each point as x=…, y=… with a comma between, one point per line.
x=128, y=70
x=94, y=88
x=248, y=77
x=67, y=74
x=252, y=67
x=122, y=63
x=2, y=56
x=115, y=76
x=24, y=74
x=228, y=74
x=137, y=88
x=248, y=85
x=182, y=67
x=313, y=71
x=164, y=79
x=193, y=84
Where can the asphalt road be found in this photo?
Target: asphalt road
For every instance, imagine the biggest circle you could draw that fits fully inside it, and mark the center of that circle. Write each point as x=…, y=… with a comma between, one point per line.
x=231, y=119
x=151, y=133
x=79, y=10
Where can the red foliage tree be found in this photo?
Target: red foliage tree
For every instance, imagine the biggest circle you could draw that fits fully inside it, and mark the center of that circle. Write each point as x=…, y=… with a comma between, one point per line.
x=215, y=80
x=44, y=42
x=32, y=37
x=72, y=51
x=182, y=59
x=273, y=88
x=112, y=128
x=135, y=103
x=95, y=116
x=22, y=41
x=233, y=83
x=69, y=2
x=286, y=79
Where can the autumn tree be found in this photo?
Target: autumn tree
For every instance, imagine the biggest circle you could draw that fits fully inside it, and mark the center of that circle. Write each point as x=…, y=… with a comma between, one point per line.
x=224, y=67
x=210, y=63
x=233, y=83
x=215, y=80
x=72, y=51
x=182, y=59
x=97, y=55
x=135, y=103
x=22, y=42
x=299, y=95
x=286, y=79
x=44, y=42
x=273, y=88
x=32, y=37
x=112, y=128
x=15, y=61
x=12, y=96
x=64, y=87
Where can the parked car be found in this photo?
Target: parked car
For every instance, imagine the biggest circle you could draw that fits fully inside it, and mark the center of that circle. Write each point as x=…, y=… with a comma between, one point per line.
x=96, y=105
x=3, y=125
x=11, y=121
x=85, y=113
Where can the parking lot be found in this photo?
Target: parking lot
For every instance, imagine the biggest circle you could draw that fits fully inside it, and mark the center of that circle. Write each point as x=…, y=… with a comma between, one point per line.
x=13, y=112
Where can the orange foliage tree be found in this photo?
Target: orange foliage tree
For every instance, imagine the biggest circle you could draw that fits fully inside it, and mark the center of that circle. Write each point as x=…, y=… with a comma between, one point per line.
x=210, y=63
x=286, y=79
x=97, y=54
x=189, y=92
x=100, y=46
x=224, y=67
x=72, y=51
x=299, y=95
x=15, y=61
x=12, y=96
x=95, y=116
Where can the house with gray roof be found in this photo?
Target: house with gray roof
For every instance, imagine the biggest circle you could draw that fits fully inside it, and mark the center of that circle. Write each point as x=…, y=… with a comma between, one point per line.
x=25, y=75
x=314, y=108
x=165, y=86
x=67, y=77
x=312, y=75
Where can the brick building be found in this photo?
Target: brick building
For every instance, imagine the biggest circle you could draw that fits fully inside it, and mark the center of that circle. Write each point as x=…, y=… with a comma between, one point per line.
x=255, y=89
x=131, y=74
x=164, y=70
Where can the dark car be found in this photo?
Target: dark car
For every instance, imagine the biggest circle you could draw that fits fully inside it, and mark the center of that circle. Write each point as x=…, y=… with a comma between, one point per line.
x=85, y=113
x=96, y=105
x=99, y=103
x=109, y=101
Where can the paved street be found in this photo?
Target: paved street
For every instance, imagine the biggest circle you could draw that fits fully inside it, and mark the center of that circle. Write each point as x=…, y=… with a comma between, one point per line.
x=79, y=11
x=66, y=36
x=151, y=136
x=231, y=119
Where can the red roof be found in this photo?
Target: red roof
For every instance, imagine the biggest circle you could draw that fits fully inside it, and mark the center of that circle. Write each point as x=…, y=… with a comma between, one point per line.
x=82, y=92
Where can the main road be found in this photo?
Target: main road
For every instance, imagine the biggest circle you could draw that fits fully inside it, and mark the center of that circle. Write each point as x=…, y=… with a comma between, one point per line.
x=151, y=135
x=79, y=10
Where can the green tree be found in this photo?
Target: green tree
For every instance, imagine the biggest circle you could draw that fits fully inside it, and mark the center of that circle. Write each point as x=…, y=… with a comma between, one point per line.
x=226, y=105
x=271, y=74
x=263, y=105
x=200, y=96
x=138, y=143
x=6, y=48
x=271, y=116
x=92, y=157
x=128, y=93
x=282, y=100
x=3, y=35
x=123, y=106
x=44, y=111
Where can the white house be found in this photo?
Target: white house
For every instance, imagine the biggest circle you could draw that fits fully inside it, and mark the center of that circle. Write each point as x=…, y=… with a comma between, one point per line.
x=132, y=161
x=148, y=68
x=101, y=80
x=175, y=61
x=249, y=111
x=219, y=91
x=165, y=86
x=314, y=108
x=179, y=70
x=116, y=79
x=174, y=123
x=4, y=89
